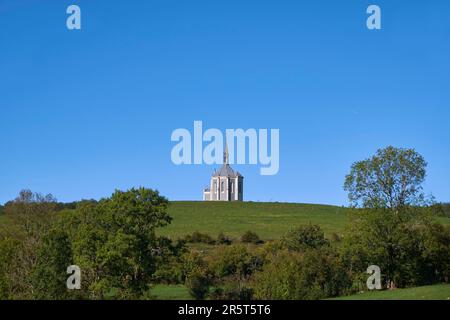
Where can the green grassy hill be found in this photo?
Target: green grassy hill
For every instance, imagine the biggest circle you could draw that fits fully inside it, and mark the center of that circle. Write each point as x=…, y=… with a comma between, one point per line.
x=436, y=292
x=268, y=220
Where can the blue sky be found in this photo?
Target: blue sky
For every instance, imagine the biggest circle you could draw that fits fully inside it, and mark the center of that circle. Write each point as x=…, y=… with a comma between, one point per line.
x=85, y=112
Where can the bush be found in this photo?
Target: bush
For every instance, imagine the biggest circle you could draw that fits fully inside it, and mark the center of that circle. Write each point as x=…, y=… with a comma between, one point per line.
x=335, y=237
x=168, y=261
x=446, y=209
x=310, y=275
x=410, y=249
x=233, y=289
x=234, y=260
x=198, y=283
x=305, y=237
x=49, y=275
x=223, y=239
x=231, y=267
x=250, y=237
x=198, y=237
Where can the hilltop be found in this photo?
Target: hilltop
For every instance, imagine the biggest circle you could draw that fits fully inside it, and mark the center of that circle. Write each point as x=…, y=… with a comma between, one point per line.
x=270, y=220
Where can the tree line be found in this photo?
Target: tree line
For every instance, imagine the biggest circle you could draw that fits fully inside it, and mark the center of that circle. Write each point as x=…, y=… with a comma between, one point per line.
x=115, y=243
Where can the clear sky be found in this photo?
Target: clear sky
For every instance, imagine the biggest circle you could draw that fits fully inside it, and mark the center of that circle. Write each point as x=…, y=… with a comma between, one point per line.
x=85, y=112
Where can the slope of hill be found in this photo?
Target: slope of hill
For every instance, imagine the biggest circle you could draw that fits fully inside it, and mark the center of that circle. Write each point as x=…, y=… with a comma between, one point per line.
x=268, y=220
x=435, y=292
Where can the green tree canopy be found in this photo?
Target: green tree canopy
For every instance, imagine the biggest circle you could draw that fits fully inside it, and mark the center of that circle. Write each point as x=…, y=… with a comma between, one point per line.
x=305, y=237
x=114, y=242
x=392, y=178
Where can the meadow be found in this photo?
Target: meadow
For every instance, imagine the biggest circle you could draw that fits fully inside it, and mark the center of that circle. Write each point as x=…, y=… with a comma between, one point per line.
x=435, y=292
x=269, y=220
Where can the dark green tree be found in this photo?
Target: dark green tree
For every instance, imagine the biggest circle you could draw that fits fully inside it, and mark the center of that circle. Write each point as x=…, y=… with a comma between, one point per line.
x=49, y=275
x=394, y=224
x=115, y=244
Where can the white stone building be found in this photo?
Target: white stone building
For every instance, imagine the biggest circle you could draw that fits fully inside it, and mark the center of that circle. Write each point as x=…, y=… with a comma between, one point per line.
x=226, y=184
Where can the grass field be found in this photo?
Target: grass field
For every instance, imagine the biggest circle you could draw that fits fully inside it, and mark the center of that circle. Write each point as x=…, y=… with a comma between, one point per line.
x=436, y=292
x=171, y=292
x=268, y=220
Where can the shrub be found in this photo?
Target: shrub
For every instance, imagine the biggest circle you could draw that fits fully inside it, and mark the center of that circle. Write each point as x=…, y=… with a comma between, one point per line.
x=234, y=260
x=305, y=237
x=313, y=274
x=233, y=289
x=198, y=283
x=335, y=237
x=198, y=237
x=250, y=237
x=410, y=249
x=223, y=239
x=49, y=275
x=231, y=267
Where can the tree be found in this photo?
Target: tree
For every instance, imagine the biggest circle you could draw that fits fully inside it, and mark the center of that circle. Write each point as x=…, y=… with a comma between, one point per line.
x=29, y=202
x=49, y=275
x=410, y=248
x=304, y=237
x=196, y=274
x=404, y=244
x=27, y=219
x=391, y=179
x=114, y=241
x=309, y=275
x=250, y=237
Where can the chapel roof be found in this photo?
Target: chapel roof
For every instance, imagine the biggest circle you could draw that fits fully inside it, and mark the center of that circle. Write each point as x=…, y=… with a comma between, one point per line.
x=226, y=171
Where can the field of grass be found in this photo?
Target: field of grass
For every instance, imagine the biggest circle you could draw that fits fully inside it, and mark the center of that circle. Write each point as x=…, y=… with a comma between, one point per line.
x=268, y=220
x=436, y=292
x=171, y=292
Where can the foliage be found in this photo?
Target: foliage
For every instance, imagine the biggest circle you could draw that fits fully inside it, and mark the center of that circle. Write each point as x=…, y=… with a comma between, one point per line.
x=237, y=260
x=168, y=261
x=440, y=209
x=10, y=285
x=198, y=283
x=231, y=268
x=196, y=274
x=222, y=239
x=305, y=237
x=250, y=237
x=269, y=220
x=409, y=247
x=312, y=274
x=49, y=275
x=25, y=222
x=114, y=242
x=117, y=243
x=391, y=178
x=435, y=292
x=29, y=202
x=198, y=237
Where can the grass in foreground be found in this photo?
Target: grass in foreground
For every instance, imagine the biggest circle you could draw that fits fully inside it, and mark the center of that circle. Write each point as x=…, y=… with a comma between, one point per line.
x=435, y=292
x=171, y=292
